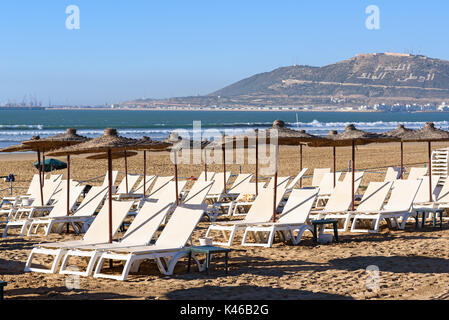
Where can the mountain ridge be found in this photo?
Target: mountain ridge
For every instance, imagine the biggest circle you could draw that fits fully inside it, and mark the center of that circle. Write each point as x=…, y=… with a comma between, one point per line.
x=363, y=79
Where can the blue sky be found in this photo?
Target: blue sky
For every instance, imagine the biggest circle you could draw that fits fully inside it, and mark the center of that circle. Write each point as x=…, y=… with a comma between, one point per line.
x=135, y=48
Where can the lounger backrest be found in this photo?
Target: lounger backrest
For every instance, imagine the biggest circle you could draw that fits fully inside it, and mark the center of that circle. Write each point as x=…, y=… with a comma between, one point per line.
x=402, y=195
x=298, y=206
x=180, y=226
x=148, y=181
x=34, y=186
x=160, y=183
x=374, y=196
x=218, y=186
x=210, y=176
x=393, y=174
x=147, y=222
x=197, y=194
x=443, y=196
x=60, y=207
x=114, y=179
x=423, y=192
x=282, y=182
x=327, y=183
x=341, y=197
x=250, y=190
x=416, y=173
x=91, y=202
x=132, y=180
x=262, y=208
x=168, y=191
x=241, y=183
x=358, y=176
x=297, y=178
x=51, y=190
x=318, y=175
x=98, y=231
x=55, y=177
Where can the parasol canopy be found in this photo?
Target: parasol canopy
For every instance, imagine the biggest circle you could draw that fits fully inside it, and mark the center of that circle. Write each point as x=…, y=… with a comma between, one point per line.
x=114, y=155
x=51, y=165
x=108, y=143
x=68, y=138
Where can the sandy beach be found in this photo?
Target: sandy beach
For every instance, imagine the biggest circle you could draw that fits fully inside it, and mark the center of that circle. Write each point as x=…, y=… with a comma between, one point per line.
x=413, y=264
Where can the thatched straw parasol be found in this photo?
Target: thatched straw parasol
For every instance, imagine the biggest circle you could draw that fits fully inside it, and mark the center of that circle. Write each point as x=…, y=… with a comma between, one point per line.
x=68, y=138
x=108, y=143
x=352, y=137
x=114, y=155
x=401, y=133
x=426, y=134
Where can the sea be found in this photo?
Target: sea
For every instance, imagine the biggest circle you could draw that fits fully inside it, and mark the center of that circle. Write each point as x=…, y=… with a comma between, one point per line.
x=19, y=125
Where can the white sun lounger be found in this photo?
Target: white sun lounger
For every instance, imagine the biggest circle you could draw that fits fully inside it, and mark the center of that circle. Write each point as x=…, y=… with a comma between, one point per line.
x=202, y=176
x=291, y=225
x=121, y=189
x=52, y=191
x=138, y=191
x=32, y=192
x=282, y=183
x=399, y=205
x=59, y=210
x=140, y=233
x=114, y=179
x=83, y=214
x=417, y=173
x=297, y=178
x=340, y=200
x=261, y=211
x=241, y=184
x=318, y=175
x=169, y=247
x=393, y=174
x=326, y=187
x=373, y=200
x=97, y=233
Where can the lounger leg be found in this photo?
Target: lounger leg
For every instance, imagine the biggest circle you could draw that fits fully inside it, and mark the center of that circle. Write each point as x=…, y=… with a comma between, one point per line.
x=174, y=260
x=57, y=253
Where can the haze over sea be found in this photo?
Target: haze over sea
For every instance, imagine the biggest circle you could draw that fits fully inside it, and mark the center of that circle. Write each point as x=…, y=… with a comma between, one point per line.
x=19, y=125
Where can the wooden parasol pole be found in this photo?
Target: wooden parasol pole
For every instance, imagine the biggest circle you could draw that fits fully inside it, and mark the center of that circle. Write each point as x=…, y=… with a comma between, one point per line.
x=126, y=172
x=300, y=163
x=402, y=160
x=68, y=190
x=335, y=165
x=176, y=177
x=353, y=176
x=43, y=165
x=224, y=165
x=144, y=174
x=205, y=164
x=430, y=170
x=275, y=184
x=110, y=193
x=257, y=161
x=40, y=175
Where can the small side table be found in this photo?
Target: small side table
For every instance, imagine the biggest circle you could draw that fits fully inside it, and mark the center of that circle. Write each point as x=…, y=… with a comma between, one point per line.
x=2, y=285
x=209, y=251
x=317, y=223
x=424, y=211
